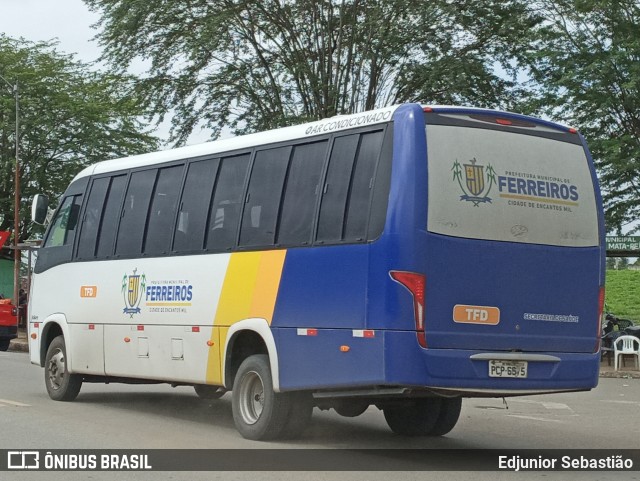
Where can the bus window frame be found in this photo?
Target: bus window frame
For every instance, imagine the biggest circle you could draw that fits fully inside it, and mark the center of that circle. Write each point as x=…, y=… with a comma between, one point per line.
x=378, y=199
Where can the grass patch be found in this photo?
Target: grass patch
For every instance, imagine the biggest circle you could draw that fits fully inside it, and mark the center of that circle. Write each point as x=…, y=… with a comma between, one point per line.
x=623, y=294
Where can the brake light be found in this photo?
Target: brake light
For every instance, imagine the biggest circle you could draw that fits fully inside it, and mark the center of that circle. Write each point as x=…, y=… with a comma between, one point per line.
x=415, y=283
x=14, y=311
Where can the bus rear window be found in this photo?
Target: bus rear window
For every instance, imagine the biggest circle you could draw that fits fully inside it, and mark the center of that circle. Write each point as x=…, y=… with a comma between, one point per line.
x=505, y=186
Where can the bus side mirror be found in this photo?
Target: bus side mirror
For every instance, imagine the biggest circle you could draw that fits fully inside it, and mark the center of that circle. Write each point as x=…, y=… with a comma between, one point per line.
x=39, y=209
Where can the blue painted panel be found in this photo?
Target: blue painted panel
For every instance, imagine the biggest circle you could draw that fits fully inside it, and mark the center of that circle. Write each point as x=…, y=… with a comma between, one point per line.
x=518, y=279
x=316, y=362
x=323, y=287
x=394, y=358
x=400, y=247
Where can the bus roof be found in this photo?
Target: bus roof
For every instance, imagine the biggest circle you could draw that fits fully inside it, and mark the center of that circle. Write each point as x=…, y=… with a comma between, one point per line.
x=332, y=124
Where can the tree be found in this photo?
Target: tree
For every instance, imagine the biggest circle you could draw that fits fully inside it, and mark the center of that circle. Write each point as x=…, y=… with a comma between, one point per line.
x=70, y=116
x=258, y=65
x=586, y=62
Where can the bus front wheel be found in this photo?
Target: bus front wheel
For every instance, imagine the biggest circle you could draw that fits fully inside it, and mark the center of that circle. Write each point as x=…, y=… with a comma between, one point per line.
x=259, y=413
x=61, y=384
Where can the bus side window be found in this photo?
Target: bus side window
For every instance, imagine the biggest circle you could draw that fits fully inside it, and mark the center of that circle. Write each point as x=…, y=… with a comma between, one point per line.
x=362, y=183
x=301, y=192
x=336, y=188
x=63, y=227
x=162, y=213
x=110, y=216
x=263, y=199
x=194, y=207
x=91, y=218
x=224, y=212
x=134, y=212
x=344, y=212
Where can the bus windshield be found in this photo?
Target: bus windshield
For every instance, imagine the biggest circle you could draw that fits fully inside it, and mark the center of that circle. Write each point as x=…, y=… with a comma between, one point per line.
x=520, y=184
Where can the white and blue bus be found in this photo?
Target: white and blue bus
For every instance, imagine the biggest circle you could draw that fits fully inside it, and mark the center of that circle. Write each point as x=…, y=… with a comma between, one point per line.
x=402, y=258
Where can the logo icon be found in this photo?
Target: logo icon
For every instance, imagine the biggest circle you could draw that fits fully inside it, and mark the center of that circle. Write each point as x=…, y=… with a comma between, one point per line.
x=132, y=288
x=476, y=181
x=23, y=460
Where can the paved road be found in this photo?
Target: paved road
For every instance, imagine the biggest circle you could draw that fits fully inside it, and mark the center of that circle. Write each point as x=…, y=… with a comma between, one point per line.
x=158, y=416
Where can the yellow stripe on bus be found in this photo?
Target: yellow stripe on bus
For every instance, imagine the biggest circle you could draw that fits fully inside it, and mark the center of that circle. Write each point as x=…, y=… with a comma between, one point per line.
x=250, y=290
x=267, y=283
x=238, y=288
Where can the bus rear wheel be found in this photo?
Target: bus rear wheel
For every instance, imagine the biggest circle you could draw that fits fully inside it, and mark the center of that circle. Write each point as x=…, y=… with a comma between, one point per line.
x=415, y=418
x=4, y=344
x=424, y=417
x=259, y=413
x=449, y=414
x=61, y=384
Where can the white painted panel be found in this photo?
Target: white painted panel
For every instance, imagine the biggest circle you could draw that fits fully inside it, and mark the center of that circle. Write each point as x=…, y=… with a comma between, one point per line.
x=86, y=348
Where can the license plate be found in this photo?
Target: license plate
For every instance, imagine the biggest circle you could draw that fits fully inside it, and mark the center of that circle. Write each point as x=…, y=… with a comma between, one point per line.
x=508, y=369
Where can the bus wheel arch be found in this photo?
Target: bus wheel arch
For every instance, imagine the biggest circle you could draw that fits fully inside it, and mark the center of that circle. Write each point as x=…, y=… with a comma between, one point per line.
x=52, y=329
x=247, y=338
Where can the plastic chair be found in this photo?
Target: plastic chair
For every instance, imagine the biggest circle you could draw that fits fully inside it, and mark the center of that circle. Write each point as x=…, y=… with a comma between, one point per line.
x=626, y=345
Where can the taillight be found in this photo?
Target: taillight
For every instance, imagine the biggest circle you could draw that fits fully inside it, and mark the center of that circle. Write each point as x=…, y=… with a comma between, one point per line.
x=600, y=315
x=14, y=311
x=415, y=284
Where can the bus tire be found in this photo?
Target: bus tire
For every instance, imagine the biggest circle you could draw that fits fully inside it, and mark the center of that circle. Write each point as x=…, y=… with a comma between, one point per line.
x=4, y=344
x=300, y=415
x=61, y=384
x=449, y=415
x=416, y=418
x=205, y=391
x=350, y=408
x=259, y=413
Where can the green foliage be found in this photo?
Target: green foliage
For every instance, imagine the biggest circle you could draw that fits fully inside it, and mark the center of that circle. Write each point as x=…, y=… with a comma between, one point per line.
x=623, y=294
x=70, y=116
x=258, y=65
x=585, y=58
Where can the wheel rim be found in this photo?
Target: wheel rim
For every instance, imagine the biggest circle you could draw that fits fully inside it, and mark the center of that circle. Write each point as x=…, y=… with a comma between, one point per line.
x=251, y=397
x=56, y=369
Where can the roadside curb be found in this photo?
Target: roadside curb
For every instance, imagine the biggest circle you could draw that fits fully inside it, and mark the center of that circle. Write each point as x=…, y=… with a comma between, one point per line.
x=621, y=374
x=19, y=345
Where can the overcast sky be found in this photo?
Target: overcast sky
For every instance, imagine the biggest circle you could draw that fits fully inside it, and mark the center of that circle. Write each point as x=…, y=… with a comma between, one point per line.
x=67, y=21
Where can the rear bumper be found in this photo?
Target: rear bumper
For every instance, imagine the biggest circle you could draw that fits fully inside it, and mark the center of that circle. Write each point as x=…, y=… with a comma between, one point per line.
x=394, y=358
x=468, y=370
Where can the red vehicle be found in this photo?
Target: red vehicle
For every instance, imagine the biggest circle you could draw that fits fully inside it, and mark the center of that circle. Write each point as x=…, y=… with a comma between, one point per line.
x=8, y=323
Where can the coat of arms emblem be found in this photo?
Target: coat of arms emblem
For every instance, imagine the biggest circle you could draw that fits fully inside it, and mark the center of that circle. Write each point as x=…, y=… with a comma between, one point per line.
x=132, y=288
x=478, y=183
